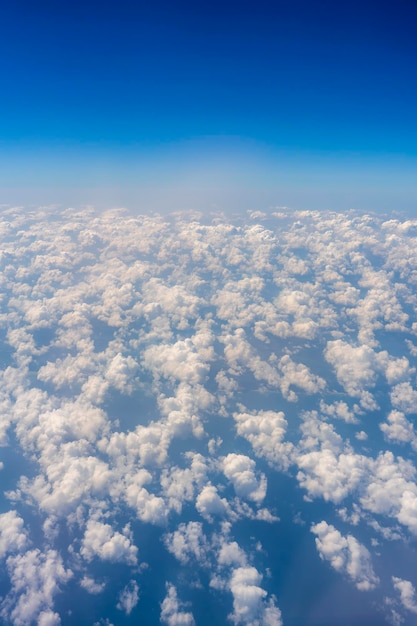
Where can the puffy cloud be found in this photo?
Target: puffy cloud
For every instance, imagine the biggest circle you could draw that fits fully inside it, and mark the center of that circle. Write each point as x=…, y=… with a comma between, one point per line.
x=249, y=606
x=148, y=506
x=209, y=503
x=407, y=593
x=327, y=469
x=356, y=369
x=240, y=470
x=13, y=535
x=340, y=410
x=71, y=478
x=404, y=398
x=49, y=618
x=120, y=372
x=171, y=610
x=299, y=375
x=247, y=594
x=128, y=597
x=177, y=361
x=92, y=586
x=188, y=541
x=345, y=554
x=265, y=430
x=198, y=318
x=36, y=578
x=330, y=476
x=230, y=554
x=101, y=541
x=399, y=429
x=361, y=435
x=391, y=490
x=179, y=485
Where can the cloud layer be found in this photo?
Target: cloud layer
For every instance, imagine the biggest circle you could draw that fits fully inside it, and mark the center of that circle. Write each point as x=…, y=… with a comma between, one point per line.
x=169, y=373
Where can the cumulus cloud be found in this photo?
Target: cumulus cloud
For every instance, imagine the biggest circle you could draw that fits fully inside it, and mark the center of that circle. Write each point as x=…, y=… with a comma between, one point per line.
x=188, y=541
x=240, y=470
x=101, y=541
x=356, y=369
x=36, y=578
x=164, y=367
x=172, y=612
x=265, y=430
x=404, y=398
x=128, y=597
x=92, y=586
x=231, y=553
x=345, y=554
x=407, y=593
x=13, y=535
x=249, y=606
x=399, y=429
x=209, y=503
x=340, y=410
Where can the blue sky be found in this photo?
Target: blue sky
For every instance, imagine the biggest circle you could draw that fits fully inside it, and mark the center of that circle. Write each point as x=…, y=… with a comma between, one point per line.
x=220, y=104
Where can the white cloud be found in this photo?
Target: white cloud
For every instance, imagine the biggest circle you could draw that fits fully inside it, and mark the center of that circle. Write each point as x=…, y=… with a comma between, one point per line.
x=188, y=541
x=404, y=398
x=171, y=610
x=249, y=606
x=326, y=468
x=240, y=470
x=361, y=435
x=247, y=594
x=120, y=372
x=209, y=503
x=265, y=430
x=346, y=555
x=36, y=578
x=128, y=597
x=407, y=593
x=49, y=618
x=391, y=490
x=148, y=506
x=199, y=318
x=356, y=369
x=101, y=541
x=340, y=410
x=399, y=429
x=299, y=375
x=13, y=535
x=231, y=553
x=92, y=586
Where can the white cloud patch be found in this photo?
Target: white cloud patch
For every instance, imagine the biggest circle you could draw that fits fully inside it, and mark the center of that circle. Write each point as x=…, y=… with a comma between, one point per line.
x=92, y=586
x=100, y=540
x=128, y=598
x=265, y=430
x=36, y=578
x=356, y=369
x=13, y=535
x=240, y=470
x=172, y=612
x=399, y=429
x=209, y=503
x=188, y=542
x=404, y=398
x=249, y=605
x=345, y=554
x=407, y=593
x=154, y=365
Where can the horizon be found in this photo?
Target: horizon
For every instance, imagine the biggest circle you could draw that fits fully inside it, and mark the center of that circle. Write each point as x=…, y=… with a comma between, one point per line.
x=309, y=105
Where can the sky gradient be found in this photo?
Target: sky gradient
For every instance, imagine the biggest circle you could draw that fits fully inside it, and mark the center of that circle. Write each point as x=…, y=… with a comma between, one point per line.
x=221, y=105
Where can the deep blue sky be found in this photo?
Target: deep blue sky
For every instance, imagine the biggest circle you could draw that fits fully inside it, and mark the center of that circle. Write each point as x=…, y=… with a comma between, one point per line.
x=306, y=103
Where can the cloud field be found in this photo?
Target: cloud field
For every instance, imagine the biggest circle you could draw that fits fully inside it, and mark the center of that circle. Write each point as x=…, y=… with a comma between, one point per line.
x=180, y=394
